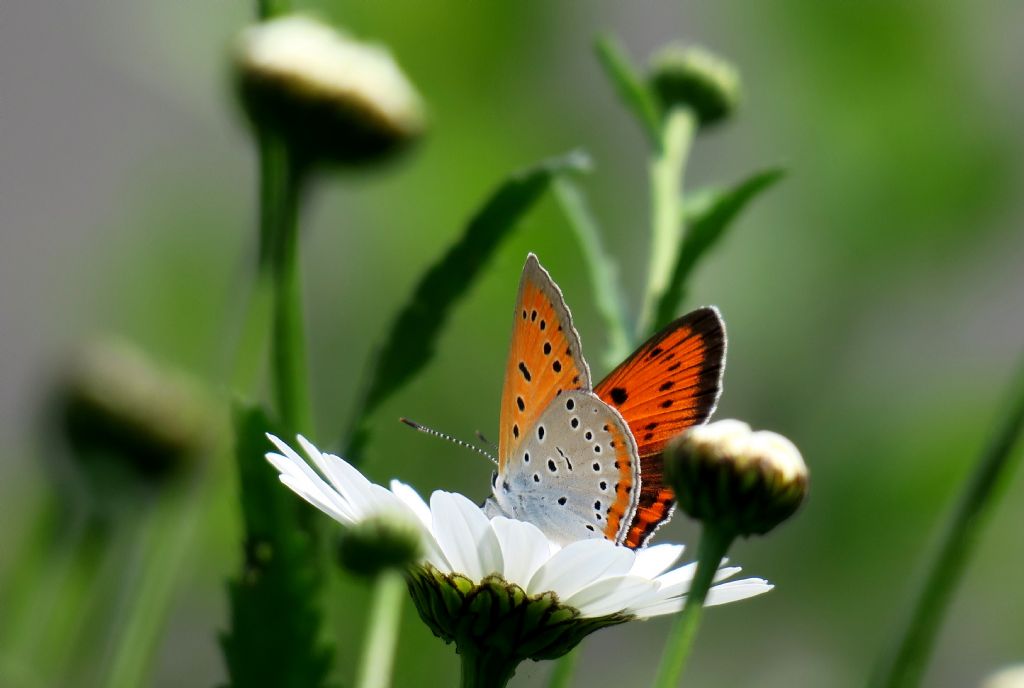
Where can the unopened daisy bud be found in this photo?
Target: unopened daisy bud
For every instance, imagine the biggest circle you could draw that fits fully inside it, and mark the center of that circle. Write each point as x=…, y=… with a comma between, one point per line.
x=740, y=481
x=116, y=404
x=380, y=543
x=333, y=98
x=695, y=78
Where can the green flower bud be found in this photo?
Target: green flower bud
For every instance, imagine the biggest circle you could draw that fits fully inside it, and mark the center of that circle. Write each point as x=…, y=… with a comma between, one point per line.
x=740, y=481
x=496, y=623
x=118, y=407
x=379, y=543
x=695, y=78
x=333, y=98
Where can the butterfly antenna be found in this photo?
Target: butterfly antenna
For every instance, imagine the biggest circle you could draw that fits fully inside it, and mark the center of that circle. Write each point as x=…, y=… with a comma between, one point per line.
x=484, y=440
x=445, y=436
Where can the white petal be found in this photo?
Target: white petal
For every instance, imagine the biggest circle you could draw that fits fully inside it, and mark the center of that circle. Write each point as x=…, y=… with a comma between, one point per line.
x=737, y=590
x=579, y=564
x=465, y=536
x=726, y=572
x=658, y=607
x=523, y=547
x=678, y=581
x=655, y=560
x=315, y=497
x=609, y=595
x=413, y=500
x=349, y=482
x=678, y=578
x=301, y=476
x=720, y=594
x=289, y=462
x=432, y=553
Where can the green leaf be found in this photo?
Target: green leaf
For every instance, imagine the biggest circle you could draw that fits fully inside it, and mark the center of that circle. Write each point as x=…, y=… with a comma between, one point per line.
x=410, y=343
x=274, y=637
x=604, y=274
x=632, y=90
x=708, y=215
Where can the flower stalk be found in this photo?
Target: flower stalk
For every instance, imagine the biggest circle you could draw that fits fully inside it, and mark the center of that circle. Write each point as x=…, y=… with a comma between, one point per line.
x=282, y=187
x=162, y=544
x=561, y=676
x=64, y=553
x=486, y=669
x=375, y=667
x=714, y=544
x=907, y=662
x=666, y=169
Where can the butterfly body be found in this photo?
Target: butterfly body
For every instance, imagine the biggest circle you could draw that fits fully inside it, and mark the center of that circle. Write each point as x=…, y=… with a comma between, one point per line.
x=582, y=462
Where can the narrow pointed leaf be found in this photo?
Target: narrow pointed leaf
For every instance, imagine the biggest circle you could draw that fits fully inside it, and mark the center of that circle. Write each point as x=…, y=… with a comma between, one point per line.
x=409, y=344
x=604, y=273
x=274, y=638
x=708, y=216
x=631, y=89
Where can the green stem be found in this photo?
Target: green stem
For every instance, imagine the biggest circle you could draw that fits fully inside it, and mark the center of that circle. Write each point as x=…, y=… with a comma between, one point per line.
x=667, y=167
x=561, y=677
x=604, y=277
x=30, y=620
x=249, y=352
x=714, y=543
x=906, y=665
x=280, y=207
x=33, y=559
x=161, y=543
x=77, y=601
x=375, y=668
x=488, y=669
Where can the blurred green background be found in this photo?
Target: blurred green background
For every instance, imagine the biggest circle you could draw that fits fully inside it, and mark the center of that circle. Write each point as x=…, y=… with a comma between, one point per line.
x=874, y=299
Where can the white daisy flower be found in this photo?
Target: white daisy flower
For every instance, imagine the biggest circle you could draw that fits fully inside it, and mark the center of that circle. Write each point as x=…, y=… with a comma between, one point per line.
x=488, y=583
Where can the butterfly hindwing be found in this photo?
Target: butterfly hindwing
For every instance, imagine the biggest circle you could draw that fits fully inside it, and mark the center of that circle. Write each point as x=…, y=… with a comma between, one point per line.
x=670, y=383
x=576, y=474
x=545, y=358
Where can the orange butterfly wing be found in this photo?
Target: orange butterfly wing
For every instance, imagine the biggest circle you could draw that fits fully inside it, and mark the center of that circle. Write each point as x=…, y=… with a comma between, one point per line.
x=670, y=383
x=545, y=357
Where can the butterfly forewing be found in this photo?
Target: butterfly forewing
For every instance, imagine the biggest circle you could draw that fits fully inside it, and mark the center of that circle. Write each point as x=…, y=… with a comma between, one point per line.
x=670, y=383
x=544, y=359
x=575, y=475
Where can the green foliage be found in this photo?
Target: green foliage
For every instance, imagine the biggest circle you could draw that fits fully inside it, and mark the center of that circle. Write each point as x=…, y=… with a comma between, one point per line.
x=604, y=273
x=274, y=636
x=409, y=345
x=909, y=654
x=631, y=89
x=709, y=215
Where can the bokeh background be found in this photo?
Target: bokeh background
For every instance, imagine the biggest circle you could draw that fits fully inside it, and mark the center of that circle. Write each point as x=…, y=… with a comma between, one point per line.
x=874, y=299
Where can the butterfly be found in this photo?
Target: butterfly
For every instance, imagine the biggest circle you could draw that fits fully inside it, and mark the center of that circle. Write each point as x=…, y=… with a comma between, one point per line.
x=580, y=461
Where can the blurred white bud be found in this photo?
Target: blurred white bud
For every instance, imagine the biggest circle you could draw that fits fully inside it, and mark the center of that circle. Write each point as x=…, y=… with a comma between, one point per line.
x=696, y=78
x=1008, y=677
x=725, y=474
x=334, y=98
x=379, y=543
x=117, y=404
